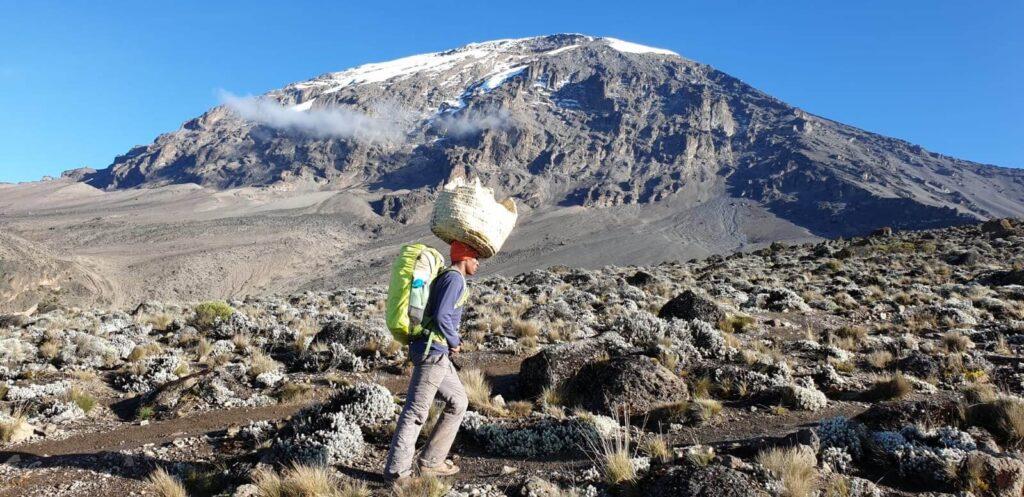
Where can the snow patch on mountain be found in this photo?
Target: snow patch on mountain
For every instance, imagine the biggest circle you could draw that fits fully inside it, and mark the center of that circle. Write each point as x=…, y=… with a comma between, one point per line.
x=630, y=47
x=496, y=80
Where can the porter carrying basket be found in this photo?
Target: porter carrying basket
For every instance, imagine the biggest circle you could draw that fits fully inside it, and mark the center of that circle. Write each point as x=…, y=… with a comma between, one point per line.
x=467, y=212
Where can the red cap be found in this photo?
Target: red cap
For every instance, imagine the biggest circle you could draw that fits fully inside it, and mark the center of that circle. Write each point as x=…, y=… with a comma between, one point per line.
x=460, y=252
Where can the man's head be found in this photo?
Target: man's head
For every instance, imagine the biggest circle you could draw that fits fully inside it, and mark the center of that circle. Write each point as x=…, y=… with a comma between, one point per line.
x=464, y=257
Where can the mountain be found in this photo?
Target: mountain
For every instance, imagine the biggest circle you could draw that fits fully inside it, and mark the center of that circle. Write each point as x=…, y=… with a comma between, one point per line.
x=570, y=120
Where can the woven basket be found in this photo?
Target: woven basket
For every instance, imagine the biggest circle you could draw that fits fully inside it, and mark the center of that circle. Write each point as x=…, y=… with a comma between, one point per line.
x=468, y=212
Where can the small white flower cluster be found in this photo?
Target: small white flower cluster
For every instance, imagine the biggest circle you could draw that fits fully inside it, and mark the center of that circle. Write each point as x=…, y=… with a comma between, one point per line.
x=257, y=432
x=924, y=454
x=639, y=327
x=840, y=432
x=60, y=412
x=547, y=437
x=367, y=404
x=17, y=393
x=778, y=300
x=330, y=433
x=332, y=439
x=149, y=373
x=805, y=397
x=709, y=341
x=836, y=458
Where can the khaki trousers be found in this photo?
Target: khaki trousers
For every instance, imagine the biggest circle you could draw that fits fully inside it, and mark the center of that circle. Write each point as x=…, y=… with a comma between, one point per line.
x=435, y=375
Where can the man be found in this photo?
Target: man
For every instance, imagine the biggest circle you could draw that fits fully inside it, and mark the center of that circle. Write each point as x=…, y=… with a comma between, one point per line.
x=434, y=374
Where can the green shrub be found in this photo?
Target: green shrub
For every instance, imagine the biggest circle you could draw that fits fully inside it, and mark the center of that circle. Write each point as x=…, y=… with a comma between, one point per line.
x=208, y=313
x=81, y=398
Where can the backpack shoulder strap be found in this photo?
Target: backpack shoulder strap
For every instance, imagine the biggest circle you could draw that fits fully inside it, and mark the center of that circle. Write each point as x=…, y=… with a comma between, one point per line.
x=465, y=287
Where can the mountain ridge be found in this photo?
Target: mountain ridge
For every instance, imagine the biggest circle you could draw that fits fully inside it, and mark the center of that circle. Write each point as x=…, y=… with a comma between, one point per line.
x=567, y=120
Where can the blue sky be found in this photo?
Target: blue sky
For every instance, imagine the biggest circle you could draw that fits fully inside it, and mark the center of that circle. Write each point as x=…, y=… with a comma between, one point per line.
x=81, y=82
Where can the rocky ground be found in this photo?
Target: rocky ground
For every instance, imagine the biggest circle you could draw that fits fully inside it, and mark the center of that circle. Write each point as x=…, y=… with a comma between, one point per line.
x=883, y=365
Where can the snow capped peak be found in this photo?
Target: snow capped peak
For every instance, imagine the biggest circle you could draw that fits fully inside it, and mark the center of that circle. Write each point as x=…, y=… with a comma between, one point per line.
x=495, y=56
x=630, y=47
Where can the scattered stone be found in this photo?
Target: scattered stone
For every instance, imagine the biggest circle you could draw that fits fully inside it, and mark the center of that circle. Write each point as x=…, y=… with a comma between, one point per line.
x=635, y=383
x=689, y=305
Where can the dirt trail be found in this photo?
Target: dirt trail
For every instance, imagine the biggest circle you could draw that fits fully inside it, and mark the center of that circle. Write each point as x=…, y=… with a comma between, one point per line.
x=129, y=436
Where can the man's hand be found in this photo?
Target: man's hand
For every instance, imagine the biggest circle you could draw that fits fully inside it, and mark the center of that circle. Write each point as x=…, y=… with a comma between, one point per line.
x=454, y=350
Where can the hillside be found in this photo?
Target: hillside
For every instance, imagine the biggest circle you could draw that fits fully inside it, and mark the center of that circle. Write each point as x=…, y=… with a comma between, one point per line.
x=886, y=366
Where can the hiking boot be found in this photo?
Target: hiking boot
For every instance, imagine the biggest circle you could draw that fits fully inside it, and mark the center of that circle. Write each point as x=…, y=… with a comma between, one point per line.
x=447, y=468
x=395, y=481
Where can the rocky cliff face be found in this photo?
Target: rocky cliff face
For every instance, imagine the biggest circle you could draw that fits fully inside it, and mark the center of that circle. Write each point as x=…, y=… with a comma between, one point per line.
x=569, y=120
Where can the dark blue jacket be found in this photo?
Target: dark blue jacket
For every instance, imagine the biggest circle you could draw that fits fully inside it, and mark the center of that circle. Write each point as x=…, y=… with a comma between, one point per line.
x=442, y=314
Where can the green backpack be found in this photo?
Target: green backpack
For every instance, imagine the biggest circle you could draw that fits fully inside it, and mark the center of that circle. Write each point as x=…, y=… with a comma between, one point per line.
x=412, y=273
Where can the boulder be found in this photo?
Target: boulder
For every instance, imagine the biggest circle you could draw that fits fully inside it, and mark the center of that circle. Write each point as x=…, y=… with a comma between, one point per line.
x=966, y=258
x=536, y=486
x=999, y=228
x=555, y=364
x=883, y=232
x=897, y=414
x=688, y=305
x=713, y=480
x=636, y=383
x=1005, y=278
x=640, y=278
x=997, y=475
x=749, y=448
x=919, y=364
x=354, y=335
x=802, y=398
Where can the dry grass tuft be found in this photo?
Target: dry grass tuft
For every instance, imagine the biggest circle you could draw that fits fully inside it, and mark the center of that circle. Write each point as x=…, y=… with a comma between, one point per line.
x=552, y=396
x=354, y=489
x=879, y=359
x=268, y=483
x=956, y=342
x=203, y=349
x=703, y=410
x=525, y=328
x=16, y=422
x=980, y=392
x=614, y=454
x=795, y=467
x=658, y=449
x=300, y=480
x=241, y=341
x=261, y=363
x=895, y=387
x=308, y=481
x=165, y=485
x=82, y=398
x=478, y=391
x=49, y=349
x=1003, y=417
x=423, y=486
x=159, y=321
x=736, y=324
x=141, y=352
x=519, y=408
x=292, y=392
